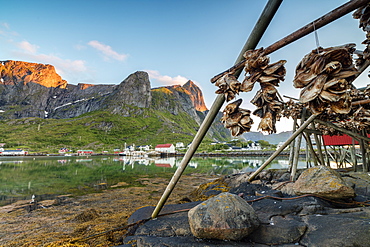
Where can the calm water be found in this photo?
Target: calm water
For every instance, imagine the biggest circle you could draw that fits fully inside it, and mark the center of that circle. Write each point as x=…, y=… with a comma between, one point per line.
x=47, y=177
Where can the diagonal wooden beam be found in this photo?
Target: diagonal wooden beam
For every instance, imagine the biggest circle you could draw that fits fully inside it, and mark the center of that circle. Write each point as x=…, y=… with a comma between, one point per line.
x=256, y=34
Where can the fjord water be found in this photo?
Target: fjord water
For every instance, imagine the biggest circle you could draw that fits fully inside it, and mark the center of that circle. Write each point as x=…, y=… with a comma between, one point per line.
x=49, y=176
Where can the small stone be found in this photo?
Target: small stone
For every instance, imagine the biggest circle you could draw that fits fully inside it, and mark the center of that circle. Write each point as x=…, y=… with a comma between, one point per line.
x=225, y=216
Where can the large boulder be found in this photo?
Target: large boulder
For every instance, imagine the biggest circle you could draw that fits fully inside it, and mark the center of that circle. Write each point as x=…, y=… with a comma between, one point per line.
x=323, y=181
x=225, y=216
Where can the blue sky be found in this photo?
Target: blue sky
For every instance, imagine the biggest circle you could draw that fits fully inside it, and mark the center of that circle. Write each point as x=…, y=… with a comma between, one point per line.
x=103, y=42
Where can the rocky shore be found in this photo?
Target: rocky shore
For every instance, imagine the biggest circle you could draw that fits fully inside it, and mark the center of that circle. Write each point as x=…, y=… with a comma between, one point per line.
x=287, y=214
x=322, y=208
x=71, y=221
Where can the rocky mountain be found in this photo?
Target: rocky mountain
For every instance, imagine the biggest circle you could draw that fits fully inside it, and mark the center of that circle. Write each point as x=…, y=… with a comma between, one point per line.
x=36, y=90
x=17, y=73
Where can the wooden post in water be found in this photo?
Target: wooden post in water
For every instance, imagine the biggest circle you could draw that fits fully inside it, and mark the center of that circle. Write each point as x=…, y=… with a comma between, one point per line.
x=255, y=36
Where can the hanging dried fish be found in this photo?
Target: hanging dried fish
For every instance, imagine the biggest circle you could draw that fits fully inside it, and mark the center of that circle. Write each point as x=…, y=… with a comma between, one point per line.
x=229, y=86
x=292, y=109
x=363, y=14
x=269, y=106
x=325, y=76
x=258, y=69
x=236, y=119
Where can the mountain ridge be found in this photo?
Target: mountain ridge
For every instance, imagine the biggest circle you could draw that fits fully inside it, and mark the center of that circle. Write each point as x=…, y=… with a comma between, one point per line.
x=45, y=95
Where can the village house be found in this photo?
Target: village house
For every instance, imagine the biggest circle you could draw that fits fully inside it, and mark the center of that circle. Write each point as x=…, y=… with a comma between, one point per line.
x=165, y=148
x=254, y=146
x=84, y=152
x=63, y=150
x=13, y=152
x=180, y=145
x=144, y=147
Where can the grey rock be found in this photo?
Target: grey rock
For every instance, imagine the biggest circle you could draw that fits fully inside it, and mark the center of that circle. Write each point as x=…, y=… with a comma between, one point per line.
x=146, y=212
x=225, y=216
x=172, y=225
x=150, y=241
x=280, y=230
x=348, y=229
x=323, y=181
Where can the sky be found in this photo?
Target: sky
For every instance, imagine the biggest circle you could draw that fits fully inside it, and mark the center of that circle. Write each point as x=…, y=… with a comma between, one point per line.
x=103, y=42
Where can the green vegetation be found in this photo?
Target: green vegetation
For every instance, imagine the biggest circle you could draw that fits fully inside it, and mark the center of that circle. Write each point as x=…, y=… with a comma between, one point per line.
x=98, y=131
x=266, y=145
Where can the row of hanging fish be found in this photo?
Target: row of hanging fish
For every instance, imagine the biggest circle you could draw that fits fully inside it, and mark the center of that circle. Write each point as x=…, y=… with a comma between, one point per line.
x=358, y=118
x=363, y=14
x=325, y=76
x=269, y=106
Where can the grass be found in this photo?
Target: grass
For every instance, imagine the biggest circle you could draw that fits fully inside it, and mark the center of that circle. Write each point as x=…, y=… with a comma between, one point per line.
x=99, y=130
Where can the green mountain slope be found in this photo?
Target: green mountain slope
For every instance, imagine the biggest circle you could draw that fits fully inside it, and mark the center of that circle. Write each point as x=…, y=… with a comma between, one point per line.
x=98, y=130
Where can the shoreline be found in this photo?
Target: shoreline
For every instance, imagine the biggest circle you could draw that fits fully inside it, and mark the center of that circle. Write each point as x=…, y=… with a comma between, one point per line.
x=202, y=154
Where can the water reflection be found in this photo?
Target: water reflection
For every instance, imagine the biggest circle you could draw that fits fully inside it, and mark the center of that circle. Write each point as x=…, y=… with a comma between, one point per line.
x=47, y=177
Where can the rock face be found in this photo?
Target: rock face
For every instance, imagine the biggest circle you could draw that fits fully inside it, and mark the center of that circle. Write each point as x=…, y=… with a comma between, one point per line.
x=225, y=217
x=36, y=90
x=39, y=91
x=195, y=95
x=134, y=91
x=17, y=73
x=323, y=181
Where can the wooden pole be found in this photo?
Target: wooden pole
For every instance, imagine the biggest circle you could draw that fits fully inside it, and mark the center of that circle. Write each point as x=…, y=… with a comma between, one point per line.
x=282, y=147
x=363, y=151
x=326, y=152
x=318, y=146
x=309, y=28
x=297, y=149
x=296, y=157
x=310, y=146
x=353, y=155
x=256, y=34
x=292, y=145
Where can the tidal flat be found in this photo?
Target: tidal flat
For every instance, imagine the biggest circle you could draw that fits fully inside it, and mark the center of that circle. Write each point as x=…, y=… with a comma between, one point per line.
x=66, y=219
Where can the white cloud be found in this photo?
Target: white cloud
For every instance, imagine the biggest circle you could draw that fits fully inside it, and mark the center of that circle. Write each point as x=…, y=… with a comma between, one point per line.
x=6, y=25
x=28, y=47
x=66, y=68
x=79, y=47
x=167, y=80
x=107, y=51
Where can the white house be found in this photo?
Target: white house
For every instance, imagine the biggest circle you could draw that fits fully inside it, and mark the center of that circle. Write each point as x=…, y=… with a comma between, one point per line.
x=144, y=147
x=254, y=146
x=165, y=148
x=180, y=145
x=13, y=152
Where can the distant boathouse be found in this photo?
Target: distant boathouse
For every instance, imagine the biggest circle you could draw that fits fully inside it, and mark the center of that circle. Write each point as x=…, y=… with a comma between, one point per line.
x=165, y=148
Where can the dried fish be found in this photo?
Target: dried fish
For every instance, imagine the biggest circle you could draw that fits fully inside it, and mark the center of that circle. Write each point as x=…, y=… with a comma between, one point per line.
x=326, y=76
x=233, y=107
x=312, y=90
x=363, y=14
x=267, y=123
x=229, y=86
x=236, y=119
